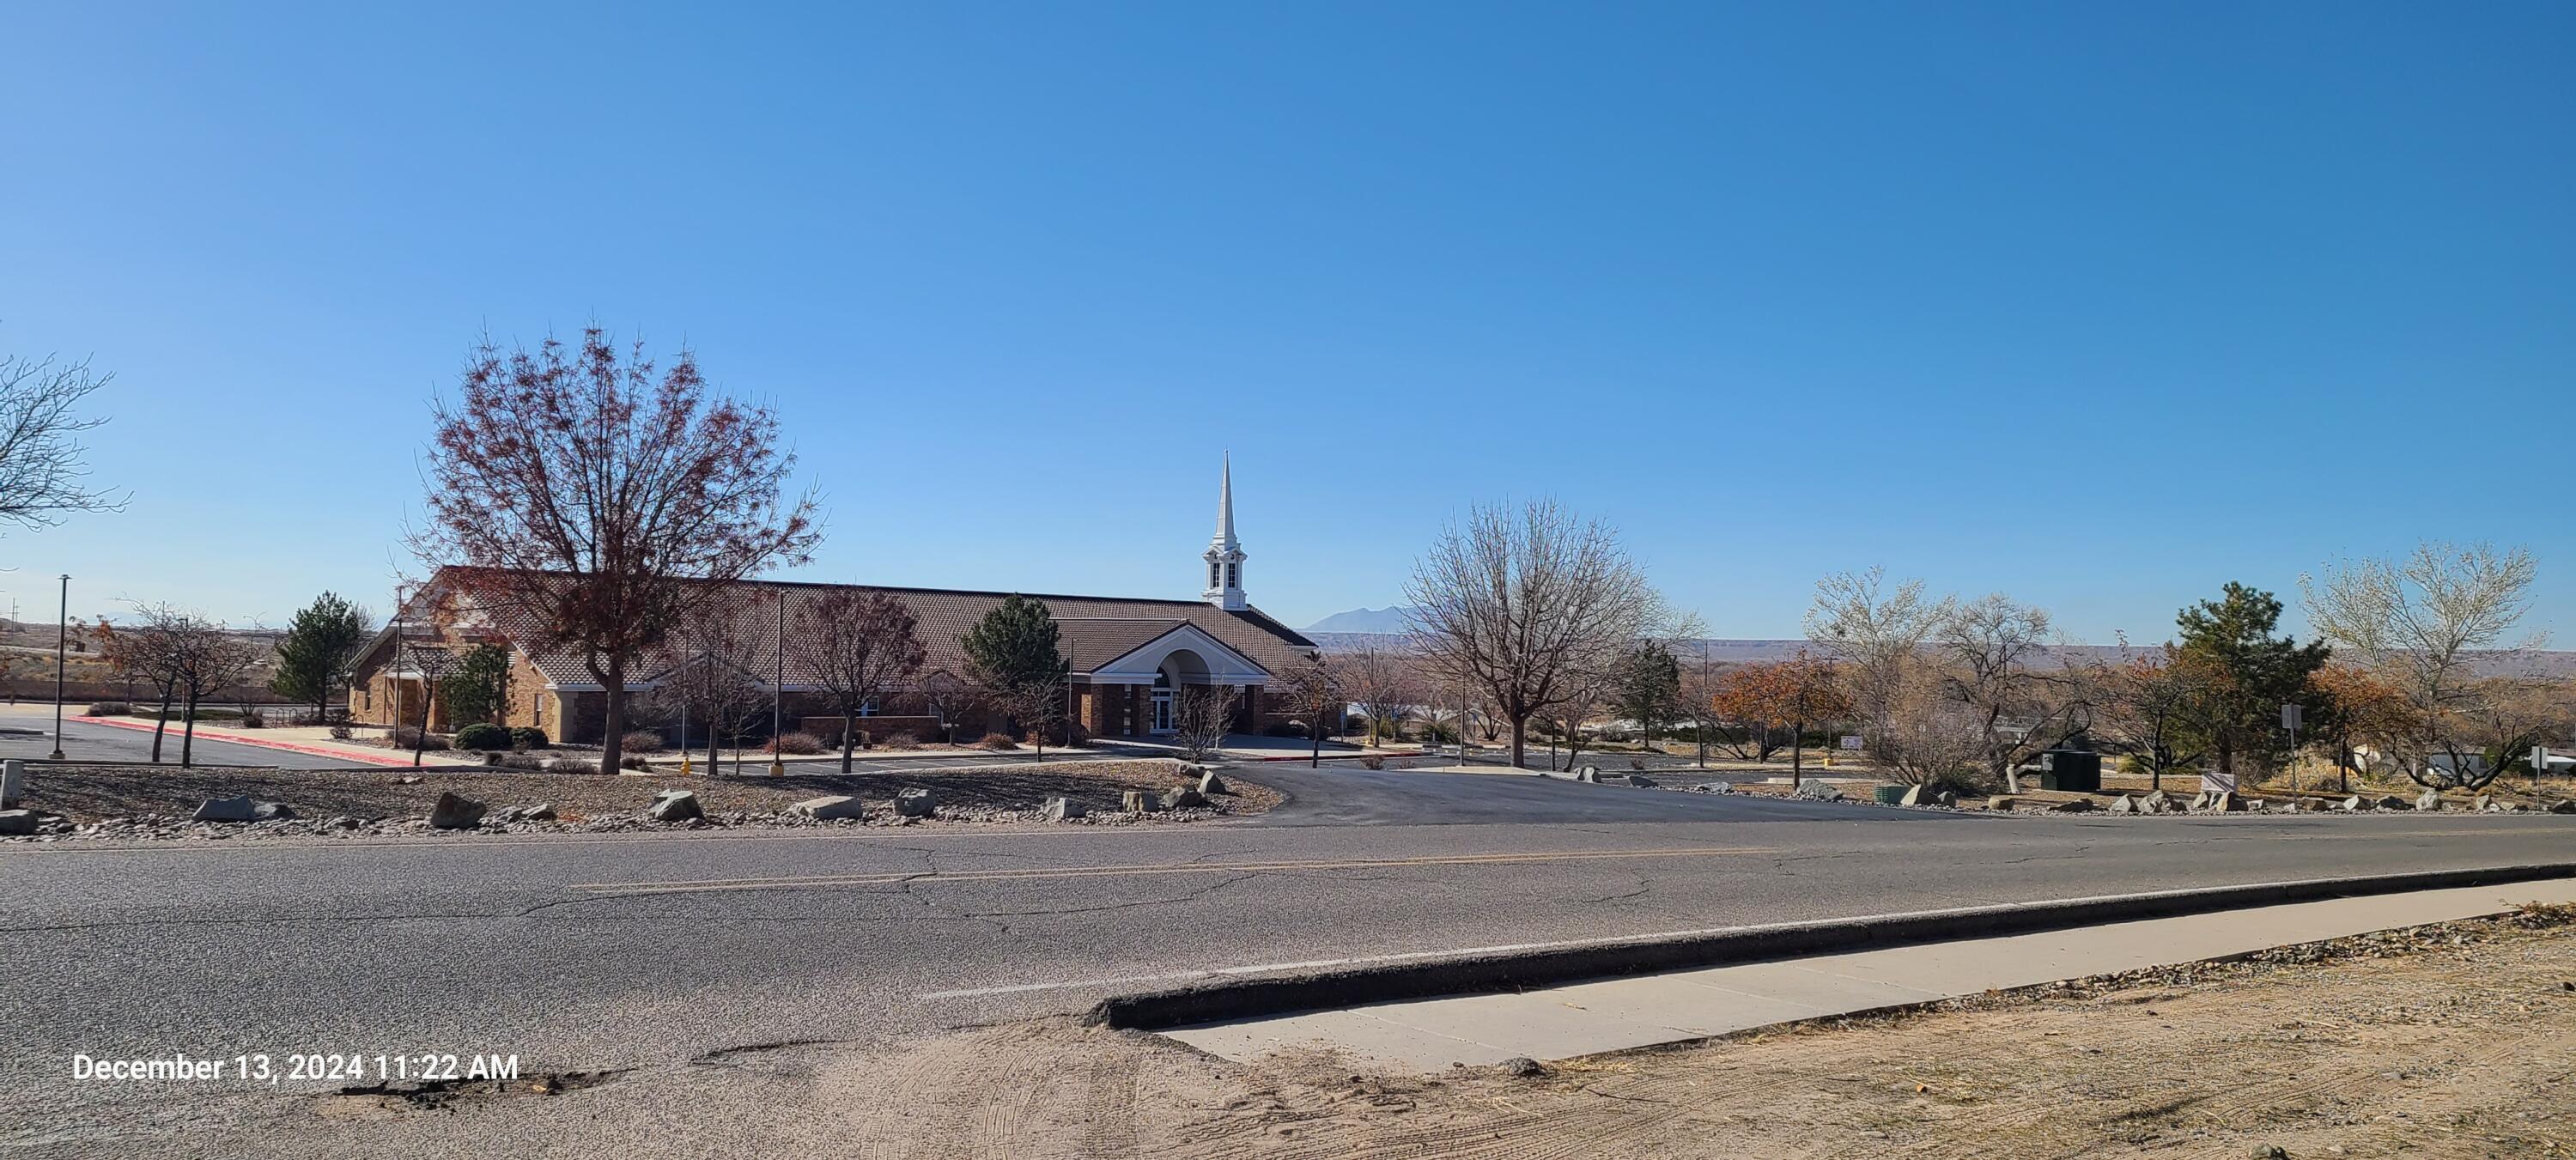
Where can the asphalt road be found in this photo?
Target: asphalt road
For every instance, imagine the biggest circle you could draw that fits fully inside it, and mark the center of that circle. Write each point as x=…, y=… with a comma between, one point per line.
x=90, y=741
x=609, y=952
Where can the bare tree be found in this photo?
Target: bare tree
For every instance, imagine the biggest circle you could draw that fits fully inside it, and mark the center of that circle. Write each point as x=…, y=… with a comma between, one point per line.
x=429, y=655
x=711, y=650
x=2420, y=626
x=1314, y=692
x=42, y=472
x=601, y=502
x=1521, y=605
x=948, y=697
x=1987, y=647
x=1383, y=683
x=149, y=651
x=858, y=646
x=1876, y=635
x=2150, y=703
x=1201, y=717
x=208, y=657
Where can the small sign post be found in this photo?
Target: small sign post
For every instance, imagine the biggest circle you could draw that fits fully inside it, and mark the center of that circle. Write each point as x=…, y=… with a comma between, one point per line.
x=2290, y=717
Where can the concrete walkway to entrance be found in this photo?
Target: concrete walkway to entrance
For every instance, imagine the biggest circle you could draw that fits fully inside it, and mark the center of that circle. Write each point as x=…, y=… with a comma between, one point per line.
x=1428, y=1035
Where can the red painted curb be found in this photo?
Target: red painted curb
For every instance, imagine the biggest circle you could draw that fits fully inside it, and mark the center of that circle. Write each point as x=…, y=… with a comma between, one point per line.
x=266, y=743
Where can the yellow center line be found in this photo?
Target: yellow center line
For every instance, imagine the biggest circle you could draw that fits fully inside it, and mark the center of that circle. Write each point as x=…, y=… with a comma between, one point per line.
x=1158, y=869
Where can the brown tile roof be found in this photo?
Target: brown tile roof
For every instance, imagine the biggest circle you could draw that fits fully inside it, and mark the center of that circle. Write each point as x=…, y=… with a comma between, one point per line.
x=1096, y=629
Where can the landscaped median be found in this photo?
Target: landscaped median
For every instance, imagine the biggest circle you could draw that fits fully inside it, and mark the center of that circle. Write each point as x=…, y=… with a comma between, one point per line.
x=130, y=802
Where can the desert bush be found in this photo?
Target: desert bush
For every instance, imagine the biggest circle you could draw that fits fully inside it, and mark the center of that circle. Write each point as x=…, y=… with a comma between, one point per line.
x=1065, y=735
x=1373, y=762
x=900, y=741
x=250, y=719
x=641, y=741
x=794, y=745
x=573, y=765
x=484, y=736
x=527, y=737
x=518, y=759
x=109, y=709
x=342, y=733
x=410, y=737
x=997, y=741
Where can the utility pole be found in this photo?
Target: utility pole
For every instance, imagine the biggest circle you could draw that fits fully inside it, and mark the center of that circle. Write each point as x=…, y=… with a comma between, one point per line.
x=62, y=648
x=778, y=695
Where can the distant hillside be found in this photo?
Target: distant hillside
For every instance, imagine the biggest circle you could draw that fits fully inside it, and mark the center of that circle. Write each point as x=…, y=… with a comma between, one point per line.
x=1362, y=620
x=2538, y=663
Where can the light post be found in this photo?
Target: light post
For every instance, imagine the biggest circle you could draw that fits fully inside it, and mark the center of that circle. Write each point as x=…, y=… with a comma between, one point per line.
x=62, y=647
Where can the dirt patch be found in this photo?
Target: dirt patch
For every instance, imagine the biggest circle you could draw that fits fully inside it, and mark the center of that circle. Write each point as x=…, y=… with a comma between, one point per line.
x=89, y=794
x=2457, y=1040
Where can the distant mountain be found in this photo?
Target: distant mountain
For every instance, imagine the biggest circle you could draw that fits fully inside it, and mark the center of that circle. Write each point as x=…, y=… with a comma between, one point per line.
x=2533, y=663
x=1389, y=619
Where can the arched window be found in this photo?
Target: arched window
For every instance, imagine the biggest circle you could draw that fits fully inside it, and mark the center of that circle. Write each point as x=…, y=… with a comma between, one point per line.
x=1234, y=575
x=1212, y=573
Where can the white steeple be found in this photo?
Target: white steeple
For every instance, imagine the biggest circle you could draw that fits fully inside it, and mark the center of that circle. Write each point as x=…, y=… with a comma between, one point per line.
x=1225, y=553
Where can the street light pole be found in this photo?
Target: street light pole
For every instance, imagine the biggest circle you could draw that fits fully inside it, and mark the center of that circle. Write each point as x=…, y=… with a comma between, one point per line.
x=778, y=695
x=62, y=647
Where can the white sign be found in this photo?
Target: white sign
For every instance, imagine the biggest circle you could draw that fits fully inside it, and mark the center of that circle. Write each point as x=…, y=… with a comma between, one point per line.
x=2290, y=718
x=1851, y=741
x=2212, y=781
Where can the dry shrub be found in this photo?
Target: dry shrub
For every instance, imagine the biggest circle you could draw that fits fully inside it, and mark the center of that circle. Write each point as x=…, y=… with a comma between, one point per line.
x=794, y=745
x=1373, y=762
x=409, y=737
x=899, y=741
x=640, y=741
x=997, y=741
x=2544, y=915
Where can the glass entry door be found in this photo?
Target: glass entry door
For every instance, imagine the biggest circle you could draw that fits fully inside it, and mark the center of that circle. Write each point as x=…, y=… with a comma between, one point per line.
x=1162, y=710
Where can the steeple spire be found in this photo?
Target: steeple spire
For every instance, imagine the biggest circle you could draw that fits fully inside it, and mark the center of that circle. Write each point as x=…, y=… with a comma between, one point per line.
x=1225, y=553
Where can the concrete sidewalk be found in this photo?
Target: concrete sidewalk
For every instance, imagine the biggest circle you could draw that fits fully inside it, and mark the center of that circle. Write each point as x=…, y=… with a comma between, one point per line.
x=1429, y=1035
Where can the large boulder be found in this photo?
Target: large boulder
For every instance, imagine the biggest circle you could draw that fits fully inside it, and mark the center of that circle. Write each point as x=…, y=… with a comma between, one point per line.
x=675, y=805
x=2429, y=801
x=454, y=811
x=1211, y=784
x=2353, y=804
x=1946, y=800
x=1819, y=791
x=2000, y=804
x=1917, y=795
x=2483, y=802
x=1058, y=809
x=2156, y=802
x=1184, y=798
x=542, y=812
x=18, y=823
x=2075, y=806
x=2394, y=802
x=916, y=803
x=271, y=812
x=831, y=807
x=1138, y=801
x=2124, y=804
x=229, y=809
x=2563, y=806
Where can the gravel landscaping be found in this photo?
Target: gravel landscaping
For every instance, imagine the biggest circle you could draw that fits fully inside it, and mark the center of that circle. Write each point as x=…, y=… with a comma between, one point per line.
x=124, y=802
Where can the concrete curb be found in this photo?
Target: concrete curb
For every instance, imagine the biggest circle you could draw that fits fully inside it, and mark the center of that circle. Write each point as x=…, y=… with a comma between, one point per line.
x=1377, y=983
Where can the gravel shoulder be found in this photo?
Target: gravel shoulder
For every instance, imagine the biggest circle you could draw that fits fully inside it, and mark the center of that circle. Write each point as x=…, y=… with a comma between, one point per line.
x=2456, y=1040
x=149, y=802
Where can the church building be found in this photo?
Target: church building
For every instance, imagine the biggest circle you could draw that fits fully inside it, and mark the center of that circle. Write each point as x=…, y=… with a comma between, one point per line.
x=1131, y=659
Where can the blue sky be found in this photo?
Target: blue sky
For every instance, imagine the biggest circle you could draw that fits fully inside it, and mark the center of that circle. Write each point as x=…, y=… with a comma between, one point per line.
x=2100, y=305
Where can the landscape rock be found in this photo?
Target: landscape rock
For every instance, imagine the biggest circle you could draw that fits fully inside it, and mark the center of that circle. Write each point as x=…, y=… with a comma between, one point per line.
x=1947, y=800
x=1059, y=809
x=2075, y=806
x=2429, y=801
x=1999, y=804
x=18, y=823
x=2483, y=803
x=1522, y=1066
x=1139, y=801
x=408, y=779
x=343, y=822
x=1591, y=773
x=271, y=812
x=1210, y=783
x=1916, y=795
x=2563, y=806
x=1641, y=781
x=2156, y=802
x=675, y=805
x=231, y=809
x=2353, y=805
x=915, y=803
x=2394, y=802
x=2218, y=802
x=1818, y=791
x=2124, y=804
x=1183, y=798
x=830, y=807
x=455, y=812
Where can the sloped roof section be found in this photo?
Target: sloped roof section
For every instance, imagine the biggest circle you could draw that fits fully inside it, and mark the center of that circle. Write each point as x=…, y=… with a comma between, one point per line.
x=1096, y=629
